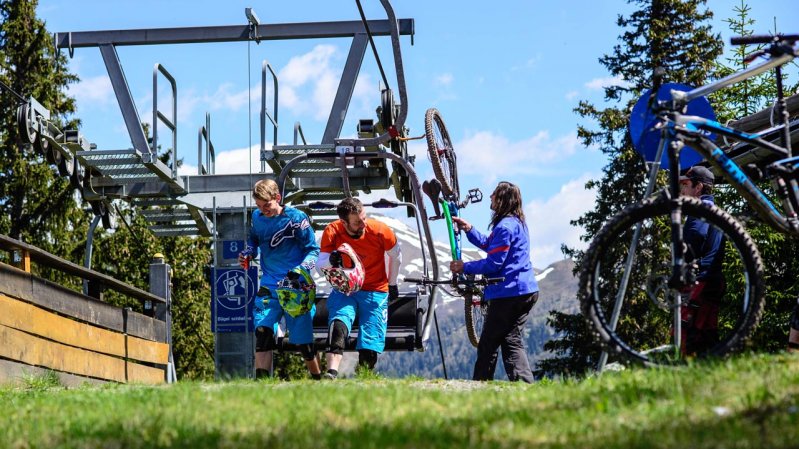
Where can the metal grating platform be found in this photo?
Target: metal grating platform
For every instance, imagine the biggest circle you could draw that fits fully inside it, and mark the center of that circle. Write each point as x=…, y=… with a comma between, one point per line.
x=130, y=167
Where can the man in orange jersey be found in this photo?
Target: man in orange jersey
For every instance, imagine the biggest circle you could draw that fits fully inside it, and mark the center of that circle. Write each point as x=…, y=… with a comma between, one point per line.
x=371, y=240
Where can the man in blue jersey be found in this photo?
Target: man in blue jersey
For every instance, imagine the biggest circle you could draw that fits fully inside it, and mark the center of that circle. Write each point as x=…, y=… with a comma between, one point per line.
x=510, y=301
x=286, y=241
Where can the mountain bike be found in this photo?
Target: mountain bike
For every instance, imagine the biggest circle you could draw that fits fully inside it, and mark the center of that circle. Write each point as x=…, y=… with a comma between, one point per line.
x=474, y=308
x=639, y=270
x=445, y=167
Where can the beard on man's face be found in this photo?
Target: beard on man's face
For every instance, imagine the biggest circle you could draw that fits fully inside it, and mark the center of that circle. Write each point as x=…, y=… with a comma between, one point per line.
x=356, y=234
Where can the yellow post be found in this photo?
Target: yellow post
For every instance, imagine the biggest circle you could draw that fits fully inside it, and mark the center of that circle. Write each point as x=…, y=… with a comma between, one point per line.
x=26, y=261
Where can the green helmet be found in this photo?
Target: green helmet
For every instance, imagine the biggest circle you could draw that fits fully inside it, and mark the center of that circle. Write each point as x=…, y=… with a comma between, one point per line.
x=297, y=296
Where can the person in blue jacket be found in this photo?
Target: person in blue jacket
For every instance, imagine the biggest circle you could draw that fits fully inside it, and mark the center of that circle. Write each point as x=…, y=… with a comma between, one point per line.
x=510, y=301
x=705, y=243
x=287, y=243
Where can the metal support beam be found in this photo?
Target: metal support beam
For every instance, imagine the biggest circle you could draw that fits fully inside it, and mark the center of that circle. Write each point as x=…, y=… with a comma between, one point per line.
x=124, y=98
x=229, y=33
x=346, y=87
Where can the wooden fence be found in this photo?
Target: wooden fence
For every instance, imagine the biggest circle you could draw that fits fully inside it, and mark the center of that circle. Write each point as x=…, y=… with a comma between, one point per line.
x=44, y=326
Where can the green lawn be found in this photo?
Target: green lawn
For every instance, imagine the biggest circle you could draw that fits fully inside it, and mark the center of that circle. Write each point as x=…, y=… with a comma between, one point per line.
x=747, y=402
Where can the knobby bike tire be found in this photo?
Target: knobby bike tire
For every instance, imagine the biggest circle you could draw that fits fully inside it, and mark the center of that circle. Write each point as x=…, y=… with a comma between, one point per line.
x=441, y=153
x=740, y=308
x=474, y=313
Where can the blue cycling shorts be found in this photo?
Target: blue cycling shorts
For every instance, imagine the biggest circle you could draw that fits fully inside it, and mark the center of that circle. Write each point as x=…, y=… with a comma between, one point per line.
x=371, y=309
x=268, y=312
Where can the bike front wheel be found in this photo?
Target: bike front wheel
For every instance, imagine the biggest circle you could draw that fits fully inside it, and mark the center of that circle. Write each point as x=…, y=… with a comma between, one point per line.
x=442, y=154
x=474, y=309
x=648, y=309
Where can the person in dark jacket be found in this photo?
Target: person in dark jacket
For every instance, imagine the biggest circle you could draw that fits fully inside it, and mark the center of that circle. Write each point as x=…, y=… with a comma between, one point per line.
x=510, y=301
x=700, y=319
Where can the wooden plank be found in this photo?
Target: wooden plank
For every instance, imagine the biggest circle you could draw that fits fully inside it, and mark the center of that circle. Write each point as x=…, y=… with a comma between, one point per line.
x=147, y=351
x=145, y=374
x=40, y=256
x=33, y=320
x=14, y=373
x=29, y=349
x=18, y=284
x=762, y=119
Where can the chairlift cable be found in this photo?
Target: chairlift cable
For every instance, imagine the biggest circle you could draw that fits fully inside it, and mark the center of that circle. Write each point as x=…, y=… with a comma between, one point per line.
x=372, y=43
x=249, y=110
x=135, y=236
x=13, y=92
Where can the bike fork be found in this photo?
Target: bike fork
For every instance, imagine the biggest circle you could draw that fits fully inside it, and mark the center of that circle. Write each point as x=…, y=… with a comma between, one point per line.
x=678, y=279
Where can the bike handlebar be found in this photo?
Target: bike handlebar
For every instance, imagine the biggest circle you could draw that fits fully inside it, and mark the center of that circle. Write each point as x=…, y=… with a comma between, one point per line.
x=483, y=281
x=764, y=39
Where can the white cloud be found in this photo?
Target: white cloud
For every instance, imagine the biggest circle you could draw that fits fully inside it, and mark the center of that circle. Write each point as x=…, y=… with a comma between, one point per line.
x=316, y=75
x=187, y=170
x=601, y=83
x=530, y=63
x=571, y=95
x=488, y=154
x=445, y=79
x=548, y=221
x=92, y=91
x=236, y=161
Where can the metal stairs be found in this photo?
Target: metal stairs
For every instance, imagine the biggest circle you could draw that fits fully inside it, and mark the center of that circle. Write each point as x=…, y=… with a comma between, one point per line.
x=168, y=217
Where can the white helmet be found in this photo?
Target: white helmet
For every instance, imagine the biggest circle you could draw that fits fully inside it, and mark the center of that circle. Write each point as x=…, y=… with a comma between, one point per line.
x=346, y=280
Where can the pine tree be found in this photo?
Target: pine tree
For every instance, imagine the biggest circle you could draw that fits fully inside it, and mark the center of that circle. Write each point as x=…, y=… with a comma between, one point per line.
x=672, y=34
x=36, y=204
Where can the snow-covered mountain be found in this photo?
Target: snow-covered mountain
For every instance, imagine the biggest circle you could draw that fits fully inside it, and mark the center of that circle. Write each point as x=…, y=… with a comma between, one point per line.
x=558, y=289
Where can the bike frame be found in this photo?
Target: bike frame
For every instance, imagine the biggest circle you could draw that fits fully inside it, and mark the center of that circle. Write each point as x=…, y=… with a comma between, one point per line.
x=451, y=210
x=690, y=129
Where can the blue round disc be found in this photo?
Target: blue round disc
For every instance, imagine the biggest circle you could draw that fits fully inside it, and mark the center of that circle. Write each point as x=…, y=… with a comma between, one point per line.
x=646, y=138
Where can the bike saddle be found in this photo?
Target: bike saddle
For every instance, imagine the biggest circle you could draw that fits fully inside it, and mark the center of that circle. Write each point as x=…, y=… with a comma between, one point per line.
x=432, y=189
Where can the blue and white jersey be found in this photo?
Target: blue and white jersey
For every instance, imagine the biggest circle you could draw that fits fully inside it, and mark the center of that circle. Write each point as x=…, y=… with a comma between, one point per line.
x=285, y=242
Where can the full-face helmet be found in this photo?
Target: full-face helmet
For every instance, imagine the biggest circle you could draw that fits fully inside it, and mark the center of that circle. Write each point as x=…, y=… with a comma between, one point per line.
x=346, y=280
x=297, y=295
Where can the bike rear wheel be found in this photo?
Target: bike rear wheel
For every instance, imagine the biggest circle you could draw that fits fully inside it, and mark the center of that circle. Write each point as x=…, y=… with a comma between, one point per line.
x=474, y=309
x=650, y=309
x=441, y=153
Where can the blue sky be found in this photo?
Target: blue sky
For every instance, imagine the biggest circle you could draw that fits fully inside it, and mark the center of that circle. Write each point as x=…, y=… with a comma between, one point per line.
x=505, y=80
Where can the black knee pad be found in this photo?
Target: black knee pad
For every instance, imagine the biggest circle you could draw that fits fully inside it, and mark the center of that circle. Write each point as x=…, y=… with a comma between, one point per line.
x=264, y=339
x=307, y=352
x=367, y=358
x=336, y=337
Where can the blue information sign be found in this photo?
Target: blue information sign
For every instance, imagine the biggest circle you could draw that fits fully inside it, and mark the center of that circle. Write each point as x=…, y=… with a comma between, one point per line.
x=232, y=248
x=232, y=299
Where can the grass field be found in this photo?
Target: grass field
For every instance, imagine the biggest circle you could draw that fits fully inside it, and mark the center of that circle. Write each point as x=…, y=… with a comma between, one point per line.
x=747, y=402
